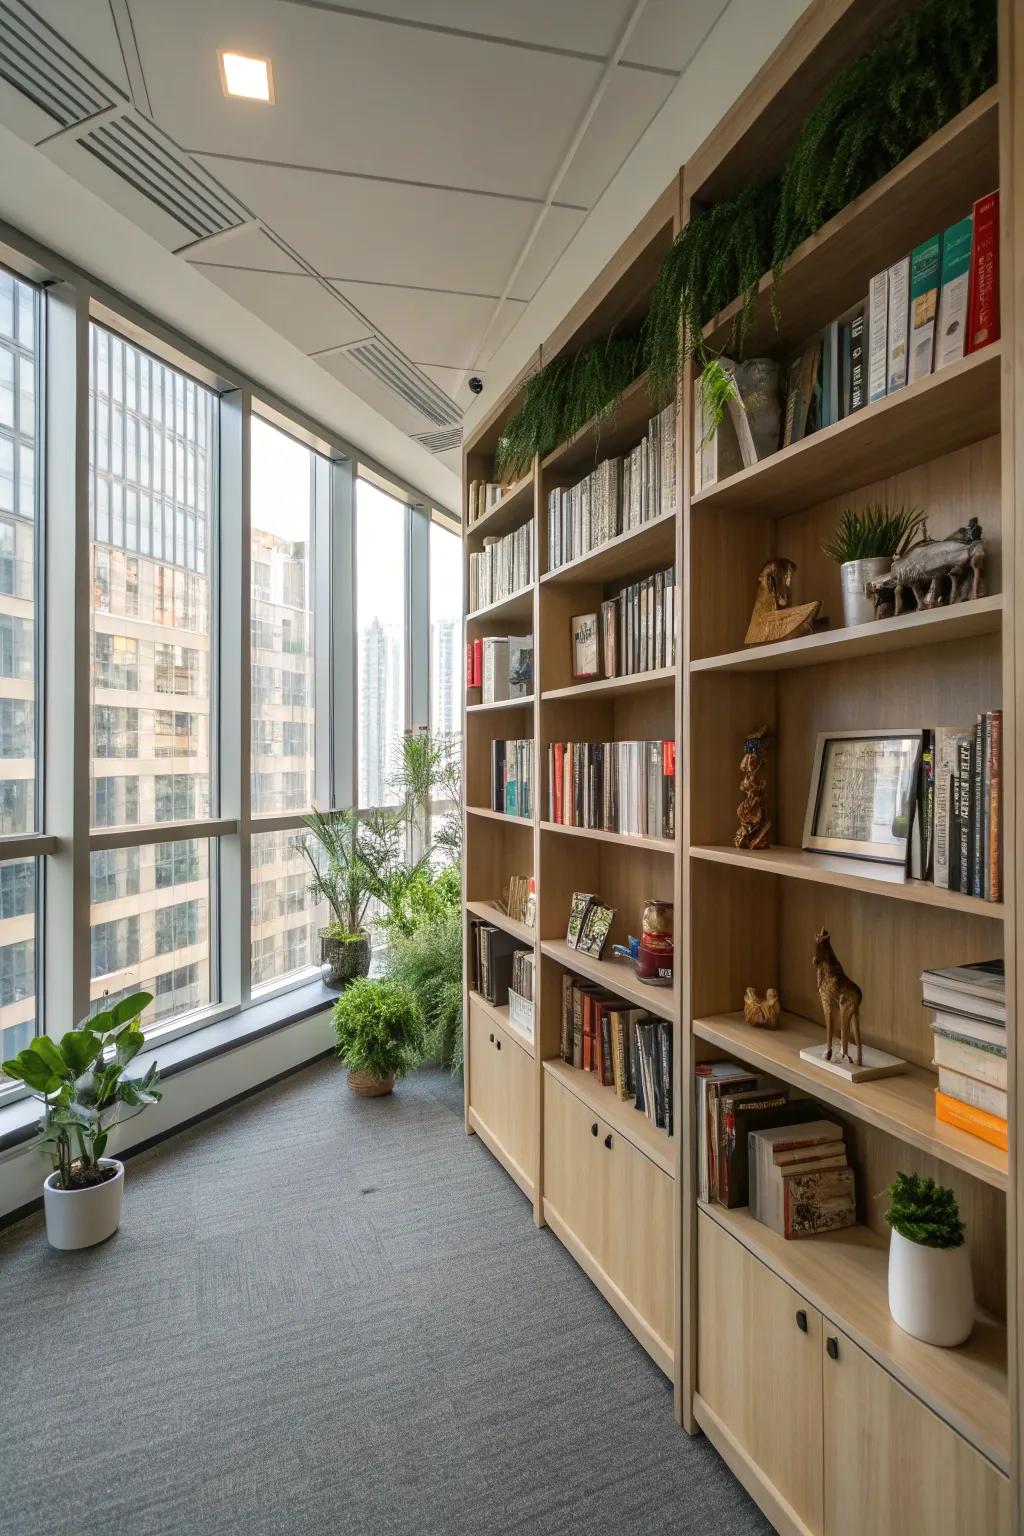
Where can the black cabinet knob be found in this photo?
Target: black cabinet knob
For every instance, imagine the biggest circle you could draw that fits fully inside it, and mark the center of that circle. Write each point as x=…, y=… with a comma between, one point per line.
x=593, y=1129
x=492, y=1039
x=832, y=1345
x=498, y=1044
x=608, y=1141
x=801, y=1320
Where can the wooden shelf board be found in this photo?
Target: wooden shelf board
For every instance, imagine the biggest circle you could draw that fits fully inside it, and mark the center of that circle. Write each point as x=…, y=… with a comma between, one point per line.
x=524, y=701
x=518, y=606
x=853, y=874
x=845, y=1276
x=603, y=437
x=616, y=975
x=500, y=1015
x=640, y=550
x=927, y=191
x=653, y=844
x=488, y=815
x=945, y=411
x=620, y=1114
x=601, y=687
x=939, y=626
x=491, y=914
x=902, y=1106
x=515, y=505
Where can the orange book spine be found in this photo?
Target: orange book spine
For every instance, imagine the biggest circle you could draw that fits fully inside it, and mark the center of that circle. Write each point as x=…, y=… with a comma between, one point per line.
x=976, y=1122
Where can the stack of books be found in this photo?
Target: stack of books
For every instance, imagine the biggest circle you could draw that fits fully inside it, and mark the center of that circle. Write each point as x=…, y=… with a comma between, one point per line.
x=522, y=974
x=969, y=1047
x=613, y=786
x=500, y=666
x=732, y=1102
x=502, y=568
x=800, y=1181
x=625, y=1048
x=517, y=901
x=512, y=777
x=489, y=961
x=619, y=495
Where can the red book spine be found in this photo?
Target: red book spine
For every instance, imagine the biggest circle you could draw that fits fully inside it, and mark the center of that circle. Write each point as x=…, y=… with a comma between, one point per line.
x=588, y=1033
x=469, y=665
x=559, y=771
x=478, y=663
x=983, y=290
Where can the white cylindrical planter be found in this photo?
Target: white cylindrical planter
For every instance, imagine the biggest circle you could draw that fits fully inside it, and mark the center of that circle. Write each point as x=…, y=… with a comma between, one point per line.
x=78, y=1218
x=854, y=576
x=931, y=1293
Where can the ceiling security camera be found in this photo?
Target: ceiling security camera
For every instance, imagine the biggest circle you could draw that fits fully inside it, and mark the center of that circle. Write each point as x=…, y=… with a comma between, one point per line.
x=476, y=385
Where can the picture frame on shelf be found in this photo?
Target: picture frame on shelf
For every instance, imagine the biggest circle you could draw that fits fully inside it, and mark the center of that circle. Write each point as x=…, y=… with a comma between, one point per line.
x=861, y=793
x=586, y=661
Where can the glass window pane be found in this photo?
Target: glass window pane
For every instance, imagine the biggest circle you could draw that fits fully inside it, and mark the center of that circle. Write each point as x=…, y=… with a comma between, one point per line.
x=285, y=922
x=445, y=631
x=150, y=926
x=380, y=618
x=138, y=593
x=18, y=885
x=281, y=576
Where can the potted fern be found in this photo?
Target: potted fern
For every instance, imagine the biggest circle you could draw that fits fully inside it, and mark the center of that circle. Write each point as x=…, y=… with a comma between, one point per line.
x=378, y=1025
x=931, y=1293
x=82, y=1082
x=864, y=546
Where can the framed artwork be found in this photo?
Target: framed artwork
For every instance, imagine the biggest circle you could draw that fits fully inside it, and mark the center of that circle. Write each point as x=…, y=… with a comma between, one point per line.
x=585, y=660
x=861, y=794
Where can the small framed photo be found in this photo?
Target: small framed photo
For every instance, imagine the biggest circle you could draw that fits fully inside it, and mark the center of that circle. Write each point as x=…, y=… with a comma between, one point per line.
x=585, y=659
x=862, y=792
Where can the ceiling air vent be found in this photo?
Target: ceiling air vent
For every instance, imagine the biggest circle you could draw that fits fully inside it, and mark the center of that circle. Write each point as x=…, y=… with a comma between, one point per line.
x=36, y=61
x=391, y=369
x=442, y=441
x=139, y=153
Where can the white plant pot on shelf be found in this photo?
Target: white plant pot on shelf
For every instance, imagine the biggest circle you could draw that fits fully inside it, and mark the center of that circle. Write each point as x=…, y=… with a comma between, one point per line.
x=931, y=1293
x=79, y=1218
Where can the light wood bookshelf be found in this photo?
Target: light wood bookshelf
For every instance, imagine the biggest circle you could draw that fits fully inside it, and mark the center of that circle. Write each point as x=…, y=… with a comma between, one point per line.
x=950, y=443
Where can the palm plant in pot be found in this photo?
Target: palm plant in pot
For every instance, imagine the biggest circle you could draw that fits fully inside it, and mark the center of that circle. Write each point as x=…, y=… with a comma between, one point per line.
x=864, y=545
x=348, y=866
x=931, y=1293
x=83, y=1084
x=378, y=1025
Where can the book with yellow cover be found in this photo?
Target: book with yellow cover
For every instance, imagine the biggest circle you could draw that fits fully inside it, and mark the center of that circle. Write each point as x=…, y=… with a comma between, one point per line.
x=976, y=1122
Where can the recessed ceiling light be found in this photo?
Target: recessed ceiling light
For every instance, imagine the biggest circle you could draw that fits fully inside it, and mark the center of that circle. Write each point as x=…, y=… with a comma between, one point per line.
x=241, y=75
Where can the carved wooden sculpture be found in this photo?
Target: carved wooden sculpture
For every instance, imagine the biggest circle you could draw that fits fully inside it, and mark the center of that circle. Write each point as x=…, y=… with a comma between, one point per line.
x=773, y=618
x=754, y=826
x=764, y=1012
x=933, y=573
x=840, y=1000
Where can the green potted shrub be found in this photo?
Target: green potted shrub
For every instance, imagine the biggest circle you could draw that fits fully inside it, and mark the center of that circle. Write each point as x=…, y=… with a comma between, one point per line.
x=864, y=546
x=378, y=1025
x=345, y=873
x=82, y=1082
x=931, y=1294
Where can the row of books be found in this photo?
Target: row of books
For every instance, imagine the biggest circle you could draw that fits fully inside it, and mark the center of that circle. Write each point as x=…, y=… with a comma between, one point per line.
x=522, y=974
x=520, y=900
x=625, y=1048
x=757, y=1147
x=613, y=786
x=483, y=496
x=956, y=829
x=635, y=631
x=512, y=777
x=619, y=495
x=503, y=567
x=501, y=666
x=969, y=1047
x=489, y=961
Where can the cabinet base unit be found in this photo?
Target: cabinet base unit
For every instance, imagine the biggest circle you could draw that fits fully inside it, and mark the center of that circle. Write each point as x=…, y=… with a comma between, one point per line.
x=502, y=1095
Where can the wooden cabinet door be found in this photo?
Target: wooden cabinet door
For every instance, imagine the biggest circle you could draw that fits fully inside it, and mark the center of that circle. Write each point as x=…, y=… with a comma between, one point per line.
x=892, y=1466
x=572, y=1193
x=502, y=1099
x=759, y=1371
x=635, y=1241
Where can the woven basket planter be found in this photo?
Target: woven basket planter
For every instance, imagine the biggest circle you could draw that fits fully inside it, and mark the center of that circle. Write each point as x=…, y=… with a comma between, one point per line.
x=369, y=1087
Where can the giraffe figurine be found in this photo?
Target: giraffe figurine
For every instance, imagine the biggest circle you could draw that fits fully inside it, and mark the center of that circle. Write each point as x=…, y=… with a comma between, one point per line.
x=840, y=1000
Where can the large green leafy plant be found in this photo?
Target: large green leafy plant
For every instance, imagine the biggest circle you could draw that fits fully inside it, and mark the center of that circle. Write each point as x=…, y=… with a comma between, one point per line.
x=83, y=1083
x=378, y=1025
x=425, y=956
x=924, y=1212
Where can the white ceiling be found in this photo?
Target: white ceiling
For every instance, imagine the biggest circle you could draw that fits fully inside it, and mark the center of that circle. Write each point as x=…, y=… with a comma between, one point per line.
x=424, y=165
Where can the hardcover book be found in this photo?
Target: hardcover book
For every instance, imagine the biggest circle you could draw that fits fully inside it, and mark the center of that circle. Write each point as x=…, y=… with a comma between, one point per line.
x=878, y=336
x=954, y=283
x=983, y=297
x=580, y=906
x=924, y=300
x=898, y=324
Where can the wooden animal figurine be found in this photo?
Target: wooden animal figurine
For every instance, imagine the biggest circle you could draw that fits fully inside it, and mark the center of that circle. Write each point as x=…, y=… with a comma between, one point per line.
x=754, y=827
x=933, y=573
x=773, y=618
x=764, y=1012
x=840, y=999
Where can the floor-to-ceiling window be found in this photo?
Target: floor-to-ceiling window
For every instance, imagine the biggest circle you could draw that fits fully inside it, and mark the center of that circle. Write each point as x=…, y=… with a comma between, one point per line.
x=381, y=607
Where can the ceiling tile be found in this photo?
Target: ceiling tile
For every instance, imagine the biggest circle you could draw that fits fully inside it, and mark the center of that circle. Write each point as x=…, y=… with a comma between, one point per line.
x=631, y=100
x=429, y=327
x=554, y=235
x=297, y=307
x=88, y=26
x=341, y=367
x=670, y=32
x=246, y=247
x=353, y=94
x=582, y=26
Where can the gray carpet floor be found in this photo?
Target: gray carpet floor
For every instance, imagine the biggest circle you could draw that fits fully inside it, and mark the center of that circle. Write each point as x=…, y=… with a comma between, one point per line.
x=332, y=1315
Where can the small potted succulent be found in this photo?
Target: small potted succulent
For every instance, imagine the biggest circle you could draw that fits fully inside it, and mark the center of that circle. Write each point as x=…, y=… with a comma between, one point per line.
x=864, y=545
x=931, y=1293
x=83, y=1084
x=379, y=1029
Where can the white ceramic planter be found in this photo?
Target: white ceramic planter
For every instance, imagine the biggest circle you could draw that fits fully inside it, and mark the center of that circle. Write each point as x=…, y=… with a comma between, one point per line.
x=78, y=1218
x=931, y=1293
x=854, y=576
